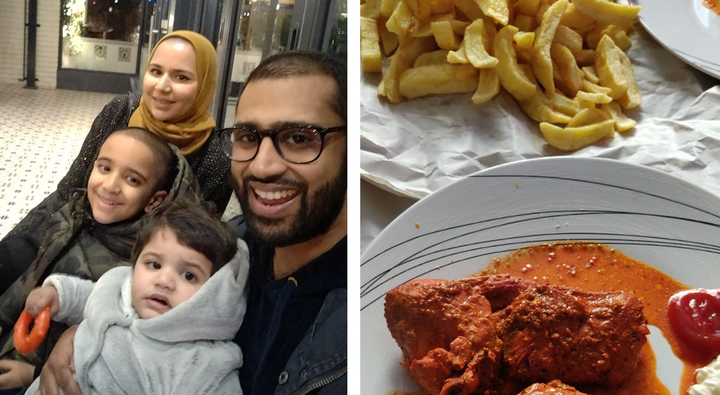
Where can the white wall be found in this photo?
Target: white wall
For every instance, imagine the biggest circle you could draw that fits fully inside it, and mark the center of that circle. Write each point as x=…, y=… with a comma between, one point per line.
x=12, y=36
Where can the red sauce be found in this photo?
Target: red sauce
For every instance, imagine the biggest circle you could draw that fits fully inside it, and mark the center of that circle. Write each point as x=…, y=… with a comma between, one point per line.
x=713, y=5
x=695, y=318
x=594, y=267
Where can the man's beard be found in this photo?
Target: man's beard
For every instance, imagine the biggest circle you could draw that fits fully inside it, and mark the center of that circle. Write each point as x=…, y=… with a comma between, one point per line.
x=314, y=218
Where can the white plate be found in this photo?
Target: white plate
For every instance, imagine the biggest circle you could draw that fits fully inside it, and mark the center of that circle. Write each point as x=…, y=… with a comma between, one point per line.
x=648, y=215
x=687, y=29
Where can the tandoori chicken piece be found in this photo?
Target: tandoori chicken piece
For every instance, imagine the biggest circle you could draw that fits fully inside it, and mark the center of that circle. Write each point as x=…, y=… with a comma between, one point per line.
x=555, y=387
x=453, y=343
x=447, y=333
x=563, y=333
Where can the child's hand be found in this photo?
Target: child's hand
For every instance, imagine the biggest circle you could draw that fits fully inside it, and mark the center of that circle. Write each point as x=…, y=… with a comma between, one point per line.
x=41, y=298
x=15, y=374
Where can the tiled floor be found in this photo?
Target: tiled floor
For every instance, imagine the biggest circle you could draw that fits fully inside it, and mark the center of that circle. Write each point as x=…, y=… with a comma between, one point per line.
x=41, y=132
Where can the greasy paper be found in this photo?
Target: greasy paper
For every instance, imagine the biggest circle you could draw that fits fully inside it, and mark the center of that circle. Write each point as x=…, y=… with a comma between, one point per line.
x=421, y=145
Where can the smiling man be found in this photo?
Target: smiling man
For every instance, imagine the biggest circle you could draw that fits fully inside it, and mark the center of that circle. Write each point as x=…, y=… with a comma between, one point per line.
x=289, y=155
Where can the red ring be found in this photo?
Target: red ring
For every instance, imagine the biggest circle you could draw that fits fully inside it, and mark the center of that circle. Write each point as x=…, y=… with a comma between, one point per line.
x=26, y=342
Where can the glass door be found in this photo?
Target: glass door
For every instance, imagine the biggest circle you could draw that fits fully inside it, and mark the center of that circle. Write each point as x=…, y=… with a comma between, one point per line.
x=263, y=30
x=252, y=30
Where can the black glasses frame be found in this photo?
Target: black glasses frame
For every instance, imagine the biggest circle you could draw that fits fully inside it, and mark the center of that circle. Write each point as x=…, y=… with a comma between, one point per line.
x=226, y=135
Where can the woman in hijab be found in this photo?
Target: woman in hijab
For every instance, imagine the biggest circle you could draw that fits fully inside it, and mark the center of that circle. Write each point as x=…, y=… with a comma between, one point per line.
x=178, y=86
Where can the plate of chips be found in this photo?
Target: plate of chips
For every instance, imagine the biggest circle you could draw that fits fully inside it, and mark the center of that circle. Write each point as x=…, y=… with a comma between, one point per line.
x=688, y=29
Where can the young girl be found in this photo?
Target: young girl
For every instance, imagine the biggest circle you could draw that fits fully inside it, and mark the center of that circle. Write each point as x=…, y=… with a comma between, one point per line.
x=134, y=173
x=164, y=326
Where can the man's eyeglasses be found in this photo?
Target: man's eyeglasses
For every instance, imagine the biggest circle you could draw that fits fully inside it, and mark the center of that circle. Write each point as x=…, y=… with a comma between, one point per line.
x=297, y=145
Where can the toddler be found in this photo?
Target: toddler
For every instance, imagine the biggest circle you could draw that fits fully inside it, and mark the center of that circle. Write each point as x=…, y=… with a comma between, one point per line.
x=166, y=324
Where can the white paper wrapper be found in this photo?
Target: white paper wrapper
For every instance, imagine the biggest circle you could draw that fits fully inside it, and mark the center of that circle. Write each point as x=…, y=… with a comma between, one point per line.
x=421, y=145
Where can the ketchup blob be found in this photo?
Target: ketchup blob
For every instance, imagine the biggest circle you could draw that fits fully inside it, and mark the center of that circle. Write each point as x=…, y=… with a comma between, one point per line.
x=694, y=316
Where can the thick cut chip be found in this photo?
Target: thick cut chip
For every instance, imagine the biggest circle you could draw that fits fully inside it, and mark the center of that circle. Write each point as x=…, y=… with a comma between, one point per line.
x=527, y=71
x=420, y=9
x=370, y=46
x=424, y=30
x=586, y=57
x=620, y=37
x=391, y=78
x=400, y=20
x=575, y=19
x=438, y=79
x=511, y=76
x=524, y=39
x=488, y=86
x=615, y=32
x=569, y=38
x=539, y=109
x=420, y=30
x=444, y=35
x=599, y=98
x=525, y=23
x=631, y=98
x=586, y=117
x=387, y=7
x=370, y=9
x=607, y=11
x=475, y=38
x=557, y=77
x=622, y=123
x=496, y=9
x=459, y=56
x=527, y=7
x=572, y=77
x=585, y=103
x=469, y=8
x=610, y=68
x=388, y=39
x=591, y=74
x=571, y=139
x=566, y=106
x=381, y=89
x=432, y=58
x=411, y=48
x=541, y=60
x=595, y=88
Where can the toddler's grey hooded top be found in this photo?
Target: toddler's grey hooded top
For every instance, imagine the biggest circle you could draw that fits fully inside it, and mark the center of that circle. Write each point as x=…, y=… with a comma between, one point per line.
x=187, y=350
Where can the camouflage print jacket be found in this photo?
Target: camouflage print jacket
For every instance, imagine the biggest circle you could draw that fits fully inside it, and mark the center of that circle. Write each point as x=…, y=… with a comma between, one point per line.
x=75, y=244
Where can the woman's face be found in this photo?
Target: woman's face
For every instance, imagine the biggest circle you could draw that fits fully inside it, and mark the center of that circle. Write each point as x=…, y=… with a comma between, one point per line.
x=171, y=81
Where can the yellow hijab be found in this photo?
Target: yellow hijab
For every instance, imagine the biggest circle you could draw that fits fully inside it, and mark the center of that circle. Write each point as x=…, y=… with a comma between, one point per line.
x=190, y=131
